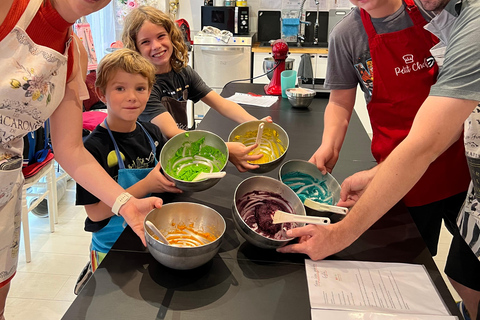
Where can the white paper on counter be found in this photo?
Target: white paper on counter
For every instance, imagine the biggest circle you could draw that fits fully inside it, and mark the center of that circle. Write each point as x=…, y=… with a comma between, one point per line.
x=320, y=314
x=373, y=287
x=253, y=100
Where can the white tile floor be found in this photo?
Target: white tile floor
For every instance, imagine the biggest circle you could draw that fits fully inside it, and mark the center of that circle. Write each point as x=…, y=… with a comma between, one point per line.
x=43, y=288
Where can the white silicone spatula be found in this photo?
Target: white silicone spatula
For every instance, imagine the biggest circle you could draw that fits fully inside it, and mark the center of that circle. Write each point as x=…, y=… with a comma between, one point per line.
x=258, y=141
x=157, y=232
x=205, y=175
x=324, y=207
x=282, y=217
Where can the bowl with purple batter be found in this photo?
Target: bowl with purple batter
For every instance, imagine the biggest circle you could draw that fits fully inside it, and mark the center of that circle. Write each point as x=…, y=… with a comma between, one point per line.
x=254, y=203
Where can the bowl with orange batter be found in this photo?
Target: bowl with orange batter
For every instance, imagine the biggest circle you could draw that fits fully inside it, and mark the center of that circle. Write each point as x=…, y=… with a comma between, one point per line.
x=194, y=233
x=273, y=144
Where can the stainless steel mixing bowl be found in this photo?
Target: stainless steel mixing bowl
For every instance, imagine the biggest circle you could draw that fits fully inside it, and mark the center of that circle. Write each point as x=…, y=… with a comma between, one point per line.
x=176, y=142
x=263, y=183
x=245, y=127
x=309, y=168
x=269, y=64
x=300, y=97
x=202, y=218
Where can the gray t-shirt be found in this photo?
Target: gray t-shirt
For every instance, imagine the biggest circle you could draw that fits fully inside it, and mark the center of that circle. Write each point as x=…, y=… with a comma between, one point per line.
x=460, y=78
x=349, y=60
x=460, y=75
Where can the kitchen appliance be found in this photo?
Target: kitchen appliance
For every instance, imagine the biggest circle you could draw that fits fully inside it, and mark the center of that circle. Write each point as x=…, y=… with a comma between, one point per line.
x=322, y=33
x=218, y=62
x=279, y=53
x=234, y=19
x=269, y=64
x=269, y=26
x=334, y=17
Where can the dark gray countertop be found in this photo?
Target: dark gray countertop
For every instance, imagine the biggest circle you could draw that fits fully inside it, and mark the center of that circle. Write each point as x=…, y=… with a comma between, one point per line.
x=243, y=281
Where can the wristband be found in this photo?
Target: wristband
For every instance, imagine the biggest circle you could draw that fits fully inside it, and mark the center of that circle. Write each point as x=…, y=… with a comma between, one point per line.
x=120, y=201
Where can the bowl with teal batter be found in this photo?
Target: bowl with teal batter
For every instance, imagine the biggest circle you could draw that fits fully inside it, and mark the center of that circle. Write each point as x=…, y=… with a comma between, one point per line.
x=187, y=154
x=274, y=143
x=307, y=181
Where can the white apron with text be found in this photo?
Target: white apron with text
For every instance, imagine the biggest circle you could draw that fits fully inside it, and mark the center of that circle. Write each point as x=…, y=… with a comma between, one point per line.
x=32, y=86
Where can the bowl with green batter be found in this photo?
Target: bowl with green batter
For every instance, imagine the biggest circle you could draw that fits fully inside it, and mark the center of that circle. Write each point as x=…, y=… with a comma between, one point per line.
x=187, y=154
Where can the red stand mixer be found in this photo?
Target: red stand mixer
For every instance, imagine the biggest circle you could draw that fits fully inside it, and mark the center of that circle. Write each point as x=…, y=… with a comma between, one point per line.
x=279, y=53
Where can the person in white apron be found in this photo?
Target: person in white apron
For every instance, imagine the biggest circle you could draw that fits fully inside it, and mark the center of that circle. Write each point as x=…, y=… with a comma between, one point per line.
x=34, y=85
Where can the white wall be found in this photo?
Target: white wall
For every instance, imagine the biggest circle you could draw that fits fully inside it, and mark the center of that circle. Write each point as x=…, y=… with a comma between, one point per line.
x=362, y=112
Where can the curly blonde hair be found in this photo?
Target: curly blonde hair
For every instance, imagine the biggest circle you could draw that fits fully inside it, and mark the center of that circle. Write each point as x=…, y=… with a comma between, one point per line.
x=127, y=60
x=134, y=21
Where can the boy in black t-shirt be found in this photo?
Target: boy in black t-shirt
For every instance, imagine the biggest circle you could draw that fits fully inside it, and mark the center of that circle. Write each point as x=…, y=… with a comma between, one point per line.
x=128, y=150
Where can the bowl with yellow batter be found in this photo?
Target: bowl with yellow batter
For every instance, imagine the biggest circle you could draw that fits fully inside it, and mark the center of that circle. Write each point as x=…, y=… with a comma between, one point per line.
x=273, y=145
x=187, y=154
x=194, y=233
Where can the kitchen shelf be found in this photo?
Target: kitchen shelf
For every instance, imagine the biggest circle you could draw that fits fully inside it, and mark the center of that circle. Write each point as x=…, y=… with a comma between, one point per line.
x=314, y=50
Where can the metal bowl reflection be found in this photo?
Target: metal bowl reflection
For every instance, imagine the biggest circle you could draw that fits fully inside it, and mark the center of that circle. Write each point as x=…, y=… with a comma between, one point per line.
x=176, y=142
x=310, y=169
x=246, y=133
x=269, y=64
x=263, y=183
x=201, y=218
x=300, y=97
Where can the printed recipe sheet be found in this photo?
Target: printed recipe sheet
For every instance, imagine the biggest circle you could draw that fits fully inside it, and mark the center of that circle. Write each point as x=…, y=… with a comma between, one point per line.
x=373, y=287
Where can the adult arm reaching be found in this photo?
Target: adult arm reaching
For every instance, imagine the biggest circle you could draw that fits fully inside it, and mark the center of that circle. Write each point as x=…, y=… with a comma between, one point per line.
x=438, y=123
x=337, y=117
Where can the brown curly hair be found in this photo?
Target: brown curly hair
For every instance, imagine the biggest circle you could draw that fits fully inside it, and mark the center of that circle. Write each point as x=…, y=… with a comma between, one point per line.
x=127, y=60
x=134, y=21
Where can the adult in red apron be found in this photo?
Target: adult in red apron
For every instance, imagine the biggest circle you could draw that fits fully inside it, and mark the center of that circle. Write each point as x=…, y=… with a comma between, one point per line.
x=403, y=71
x=36, y=85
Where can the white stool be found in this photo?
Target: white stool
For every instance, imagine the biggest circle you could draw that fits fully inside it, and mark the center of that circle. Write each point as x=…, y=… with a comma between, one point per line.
x=50, y=193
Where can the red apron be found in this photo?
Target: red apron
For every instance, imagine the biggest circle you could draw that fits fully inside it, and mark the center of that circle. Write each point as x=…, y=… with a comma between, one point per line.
x=403, y=72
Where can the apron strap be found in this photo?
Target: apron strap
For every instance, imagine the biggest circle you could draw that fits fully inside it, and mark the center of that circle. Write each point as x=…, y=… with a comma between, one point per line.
x=412, y=10
x=152, y=143
x=29, y=13
x=415, y=13
x=367, y=24
x=121, y=165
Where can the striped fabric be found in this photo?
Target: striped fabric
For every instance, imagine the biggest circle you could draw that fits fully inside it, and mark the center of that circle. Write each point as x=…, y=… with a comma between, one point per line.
x=469, y=221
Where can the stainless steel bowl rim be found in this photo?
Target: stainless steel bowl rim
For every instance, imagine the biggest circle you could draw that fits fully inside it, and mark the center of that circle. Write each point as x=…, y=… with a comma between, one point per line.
x=292, y=93
x=185, y=258
x=269, y=242
x=328, y=176
x=277, y=127
x=190, y=185
x=186, y=248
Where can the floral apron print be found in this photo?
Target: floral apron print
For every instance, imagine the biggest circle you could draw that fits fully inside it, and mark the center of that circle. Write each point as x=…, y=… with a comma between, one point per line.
x=32, y=86
x=469, y=218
